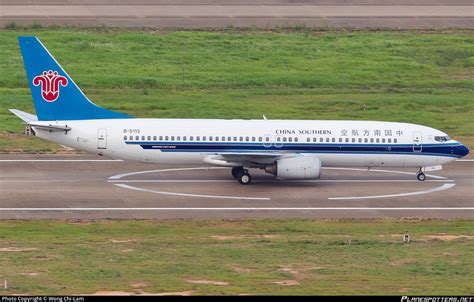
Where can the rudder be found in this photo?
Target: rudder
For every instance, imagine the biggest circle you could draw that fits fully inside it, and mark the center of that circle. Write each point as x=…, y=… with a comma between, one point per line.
x=55, y=95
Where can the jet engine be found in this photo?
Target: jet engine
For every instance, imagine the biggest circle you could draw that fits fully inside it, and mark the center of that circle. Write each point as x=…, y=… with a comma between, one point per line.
x=301, y=167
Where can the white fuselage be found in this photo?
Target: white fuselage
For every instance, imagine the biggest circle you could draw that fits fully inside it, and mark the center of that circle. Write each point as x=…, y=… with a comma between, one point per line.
x=189, y=141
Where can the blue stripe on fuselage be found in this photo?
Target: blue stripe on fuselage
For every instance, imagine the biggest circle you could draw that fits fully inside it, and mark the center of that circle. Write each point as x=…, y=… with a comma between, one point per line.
x=428, y=149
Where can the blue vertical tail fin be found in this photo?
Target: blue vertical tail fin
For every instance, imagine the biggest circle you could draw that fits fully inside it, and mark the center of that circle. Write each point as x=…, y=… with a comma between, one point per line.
x=55, y=95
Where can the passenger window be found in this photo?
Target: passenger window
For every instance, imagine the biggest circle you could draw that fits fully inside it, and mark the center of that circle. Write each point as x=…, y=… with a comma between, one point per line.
x=366, y=140
x=191, y=138
x=308, y=139
x=149, y=138
x=360, y=140
x=389, y=140
x=394, y=140
x=290, y=139
x=143, y=137
x=154, y=138
x=278, y=139
x=184, y=138
x=353, y=140
x=260, y=139
x=267, y=139
x=327, y=139
x=166, y=138
x=210, y=138
x=377, y=140
x=172, y=138
x=161, y=138
x=235, y=138
x=383, y=140
x=347, y=139
x=340, y=139
x=333, y=139
x=124, y=137
x=296, y=139
x=315, y=139
x=198, y=138
x=321, y=139
x=137, y=138
x=229, y=138
x=223, y=138
x=131, y=138
x=178, y=138
x=253, y=138
x=216, y=139
x=284, y=139
x=241, y=138
x=203, y=138
x=371, y=140
x=246, y=138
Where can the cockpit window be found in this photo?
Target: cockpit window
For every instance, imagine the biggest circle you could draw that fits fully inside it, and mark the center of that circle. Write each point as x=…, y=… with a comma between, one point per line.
x=442, y=138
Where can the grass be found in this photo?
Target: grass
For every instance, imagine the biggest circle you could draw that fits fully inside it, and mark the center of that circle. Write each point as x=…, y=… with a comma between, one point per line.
x=409, y=76
x=162, y=256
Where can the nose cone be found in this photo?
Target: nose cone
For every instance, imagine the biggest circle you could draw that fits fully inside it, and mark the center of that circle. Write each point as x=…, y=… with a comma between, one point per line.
x=462, y=150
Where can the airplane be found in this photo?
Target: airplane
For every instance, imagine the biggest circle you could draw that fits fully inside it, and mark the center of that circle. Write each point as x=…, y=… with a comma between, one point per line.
x=288, y=149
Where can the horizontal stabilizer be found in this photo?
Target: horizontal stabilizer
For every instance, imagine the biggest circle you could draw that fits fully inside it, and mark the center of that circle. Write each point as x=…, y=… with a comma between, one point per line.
x=50, y=127
x=25, y=116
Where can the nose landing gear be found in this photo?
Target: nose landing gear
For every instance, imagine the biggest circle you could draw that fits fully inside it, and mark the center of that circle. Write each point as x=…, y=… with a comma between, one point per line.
x=242, y=175
x=420, y=176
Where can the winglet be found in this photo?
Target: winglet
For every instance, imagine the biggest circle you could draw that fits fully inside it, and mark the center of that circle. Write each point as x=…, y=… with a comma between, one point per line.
x=25, y=116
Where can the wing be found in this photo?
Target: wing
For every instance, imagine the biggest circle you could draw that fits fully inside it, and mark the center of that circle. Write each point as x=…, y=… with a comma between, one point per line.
x=251, y=159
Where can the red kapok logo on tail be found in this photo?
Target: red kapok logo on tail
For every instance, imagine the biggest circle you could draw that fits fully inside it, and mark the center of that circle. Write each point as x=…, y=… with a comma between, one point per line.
x=50, y=81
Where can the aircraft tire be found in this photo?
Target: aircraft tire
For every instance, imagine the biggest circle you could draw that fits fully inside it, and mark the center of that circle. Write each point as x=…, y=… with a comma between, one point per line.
x=421, y=176
x=244, y=178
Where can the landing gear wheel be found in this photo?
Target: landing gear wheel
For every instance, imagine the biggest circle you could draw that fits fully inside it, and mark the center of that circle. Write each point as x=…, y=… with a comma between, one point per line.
x=244, y=178
x=421, y=176
x=236, y=171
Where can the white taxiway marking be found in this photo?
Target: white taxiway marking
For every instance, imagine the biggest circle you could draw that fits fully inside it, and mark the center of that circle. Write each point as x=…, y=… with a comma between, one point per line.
x=271, y=181
x=465, y=160
x=59, y=160
x=117, y=180
x=243, y=209
x=437, y=189
x=119, y=176
x=191, y=195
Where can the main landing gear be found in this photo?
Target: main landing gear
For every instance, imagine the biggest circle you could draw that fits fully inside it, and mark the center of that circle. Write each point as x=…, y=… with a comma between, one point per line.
x=420, y=176
x=242, y=175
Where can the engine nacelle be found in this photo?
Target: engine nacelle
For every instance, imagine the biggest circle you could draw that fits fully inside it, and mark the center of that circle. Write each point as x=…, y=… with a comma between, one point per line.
x=301, y=167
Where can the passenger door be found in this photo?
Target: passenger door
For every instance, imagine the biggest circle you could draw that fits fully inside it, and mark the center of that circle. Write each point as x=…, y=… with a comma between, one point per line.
x=102, y=139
